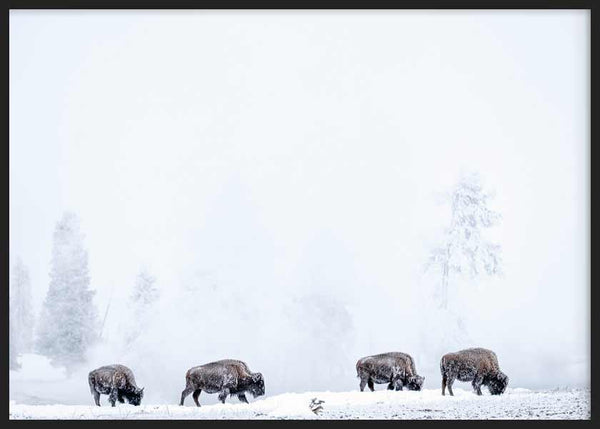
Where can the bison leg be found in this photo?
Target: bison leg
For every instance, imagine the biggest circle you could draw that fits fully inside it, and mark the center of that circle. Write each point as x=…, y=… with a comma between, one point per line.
x=185, y=393
x=370, y=384
x=444, y=385
x=195, y=396
x=120, y=397
x=450, y=383
x=112, y=397
x=223, y=395
x=242, y=398
x=93, y=391
x=390, y=386
x=96, y=395
x=363, y=383
x=477, y=384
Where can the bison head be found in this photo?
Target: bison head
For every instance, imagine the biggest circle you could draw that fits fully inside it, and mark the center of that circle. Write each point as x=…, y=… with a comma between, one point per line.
x=257, y=386
x=134, y=397
x=497, y=383
x=415, y=382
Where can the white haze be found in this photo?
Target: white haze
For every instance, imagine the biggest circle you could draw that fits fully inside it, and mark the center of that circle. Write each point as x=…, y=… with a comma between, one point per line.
x=281, y=161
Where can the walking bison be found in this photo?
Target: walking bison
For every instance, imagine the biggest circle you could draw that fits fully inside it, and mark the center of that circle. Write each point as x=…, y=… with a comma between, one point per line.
x=116, y=381
x=395, y=368
x=227, y=377
x=477, y=365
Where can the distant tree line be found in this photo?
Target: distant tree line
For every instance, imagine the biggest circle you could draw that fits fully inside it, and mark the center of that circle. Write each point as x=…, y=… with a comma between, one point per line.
x=69, y=322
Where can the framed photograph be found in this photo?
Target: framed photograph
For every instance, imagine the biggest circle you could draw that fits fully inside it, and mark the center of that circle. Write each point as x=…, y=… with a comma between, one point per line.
x=299, y=214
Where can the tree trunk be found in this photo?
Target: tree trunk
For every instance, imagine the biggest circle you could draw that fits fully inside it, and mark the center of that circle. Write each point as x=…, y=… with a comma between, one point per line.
x=444, y=299
x=445, y=275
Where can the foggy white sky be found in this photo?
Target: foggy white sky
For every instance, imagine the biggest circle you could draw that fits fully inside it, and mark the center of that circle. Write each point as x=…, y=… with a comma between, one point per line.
x=284, y=151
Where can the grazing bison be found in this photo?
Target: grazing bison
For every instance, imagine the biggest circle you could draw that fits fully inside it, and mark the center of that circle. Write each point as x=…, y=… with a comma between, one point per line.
x=117, y=382
x=227, y=377
x=480, y=366
x=395, y=368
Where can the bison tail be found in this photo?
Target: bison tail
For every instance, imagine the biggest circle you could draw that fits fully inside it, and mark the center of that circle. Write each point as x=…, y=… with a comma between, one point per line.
x=91, y=382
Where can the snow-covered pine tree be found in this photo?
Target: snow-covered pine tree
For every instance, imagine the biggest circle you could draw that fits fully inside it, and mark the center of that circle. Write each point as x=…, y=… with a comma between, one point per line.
x=69, y=320
x=144, y=295
x=20, y=311
x=464, y=251
x=145, y=292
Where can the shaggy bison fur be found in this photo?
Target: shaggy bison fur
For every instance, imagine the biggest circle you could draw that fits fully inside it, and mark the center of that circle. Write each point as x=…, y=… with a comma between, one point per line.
x=116, y=381
x=226, y=377
x=394, y=368
x=477, y=365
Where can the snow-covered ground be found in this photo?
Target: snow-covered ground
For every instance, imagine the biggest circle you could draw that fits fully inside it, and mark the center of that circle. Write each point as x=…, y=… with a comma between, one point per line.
x=382, y=404
x=40, y=391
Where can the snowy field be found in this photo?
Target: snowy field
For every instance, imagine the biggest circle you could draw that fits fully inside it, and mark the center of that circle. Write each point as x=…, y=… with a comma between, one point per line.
x=382, y=404
x=40, y=391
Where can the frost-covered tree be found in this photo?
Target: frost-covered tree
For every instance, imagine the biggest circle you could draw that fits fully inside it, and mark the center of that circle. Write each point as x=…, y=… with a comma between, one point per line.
x=21, y=314
x=69, y=320
x=463, y=250
x=144, y=295
x=145, y=292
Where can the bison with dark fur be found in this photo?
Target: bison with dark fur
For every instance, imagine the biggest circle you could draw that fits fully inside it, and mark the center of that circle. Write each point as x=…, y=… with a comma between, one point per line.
x=116, y=381
x=394, y=368
x=477, y=365
x=226, y=377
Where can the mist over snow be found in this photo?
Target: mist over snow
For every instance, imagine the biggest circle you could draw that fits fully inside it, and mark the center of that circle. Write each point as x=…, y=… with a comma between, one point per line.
x=281, y=177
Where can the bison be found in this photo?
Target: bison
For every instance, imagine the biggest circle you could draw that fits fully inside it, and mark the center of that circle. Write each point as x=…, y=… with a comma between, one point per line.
x=117, y=382
x=227, y=377
x=395, y=368
x=477, y=365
